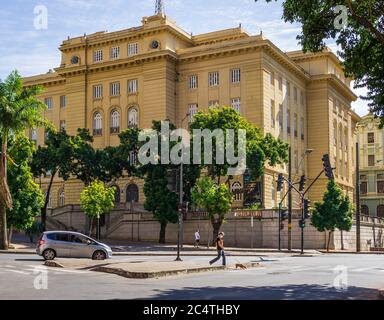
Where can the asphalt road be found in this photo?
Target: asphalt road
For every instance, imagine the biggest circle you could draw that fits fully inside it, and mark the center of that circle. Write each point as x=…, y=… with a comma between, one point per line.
x=336, y=277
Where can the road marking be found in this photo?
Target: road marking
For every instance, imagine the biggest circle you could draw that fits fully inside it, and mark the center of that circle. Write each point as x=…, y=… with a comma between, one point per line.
x=17, y=271
x=58, y=270
x=364, y=269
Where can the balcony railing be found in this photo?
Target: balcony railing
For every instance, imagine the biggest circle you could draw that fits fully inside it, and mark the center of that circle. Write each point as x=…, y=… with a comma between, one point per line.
x=115, y=130
x=97, y=132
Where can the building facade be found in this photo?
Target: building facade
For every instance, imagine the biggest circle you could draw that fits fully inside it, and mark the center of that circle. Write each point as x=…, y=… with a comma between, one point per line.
x=108, y=82
x=371, y=142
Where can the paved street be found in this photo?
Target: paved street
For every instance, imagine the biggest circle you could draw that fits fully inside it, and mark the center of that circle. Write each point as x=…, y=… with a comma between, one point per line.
x=279, y=278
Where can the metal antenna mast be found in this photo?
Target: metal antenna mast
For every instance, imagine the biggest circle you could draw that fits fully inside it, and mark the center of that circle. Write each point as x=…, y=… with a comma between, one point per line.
x=159, y=8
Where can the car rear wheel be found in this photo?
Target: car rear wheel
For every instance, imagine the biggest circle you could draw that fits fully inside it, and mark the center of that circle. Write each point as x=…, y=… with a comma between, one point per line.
x=99, y=255
x=49, y=254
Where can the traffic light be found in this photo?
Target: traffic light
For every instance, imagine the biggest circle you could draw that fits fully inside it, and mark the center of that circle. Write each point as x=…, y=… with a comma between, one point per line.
x=280, y=181
x=327, y=167
x=307, y=208
x=284, y=215
x=302, y=224
x=303, y=180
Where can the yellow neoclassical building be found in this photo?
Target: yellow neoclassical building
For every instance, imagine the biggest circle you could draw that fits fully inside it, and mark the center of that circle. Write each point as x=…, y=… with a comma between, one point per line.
x=108, y=82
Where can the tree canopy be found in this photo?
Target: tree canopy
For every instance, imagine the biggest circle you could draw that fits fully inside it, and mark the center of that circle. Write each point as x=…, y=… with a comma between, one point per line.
x=357, y=27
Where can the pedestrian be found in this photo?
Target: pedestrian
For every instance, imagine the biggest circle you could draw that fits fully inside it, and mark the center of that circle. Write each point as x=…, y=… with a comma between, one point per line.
x=197, y=238
x=220, y=249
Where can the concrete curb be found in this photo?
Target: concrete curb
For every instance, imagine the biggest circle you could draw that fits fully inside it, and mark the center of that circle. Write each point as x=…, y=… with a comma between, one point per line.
x=351, y=252
x=53, y=264
x=151, y=275
x=381, y=294
x=16, y=252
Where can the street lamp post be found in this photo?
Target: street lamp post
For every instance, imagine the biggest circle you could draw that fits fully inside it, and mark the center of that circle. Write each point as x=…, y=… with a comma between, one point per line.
x=180, y=221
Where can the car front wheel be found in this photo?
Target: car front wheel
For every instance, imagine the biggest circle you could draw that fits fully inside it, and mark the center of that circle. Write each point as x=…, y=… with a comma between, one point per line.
x=99, y=255
x=49, y=254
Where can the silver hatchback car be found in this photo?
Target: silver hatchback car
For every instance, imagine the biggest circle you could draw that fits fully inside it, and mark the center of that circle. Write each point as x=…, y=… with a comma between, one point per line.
x=65, y=244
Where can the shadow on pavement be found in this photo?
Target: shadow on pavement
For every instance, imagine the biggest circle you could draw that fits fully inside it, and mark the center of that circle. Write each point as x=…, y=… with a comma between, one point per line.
x=286, y=292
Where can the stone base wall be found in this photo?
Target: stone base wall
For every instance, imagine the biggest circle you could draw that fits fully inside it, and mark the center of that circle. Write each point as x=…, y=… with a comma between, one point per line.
x=239, y=232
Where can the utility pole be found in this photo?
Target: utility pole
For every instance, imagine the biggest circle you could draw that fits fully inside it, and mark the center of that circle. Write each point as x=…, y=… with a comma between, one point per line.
x=358, y=219
x=290, y=201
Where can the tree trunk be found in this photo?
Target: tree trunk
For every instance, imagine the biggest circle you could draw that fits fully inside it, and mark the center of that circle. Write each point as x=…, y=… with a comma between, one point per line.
x=90, y=227
x=162, y=233
x=3, y=204
x=216, y=225
x=44, y=209
x=10, y=234
x=342, y=240
x=329, y=240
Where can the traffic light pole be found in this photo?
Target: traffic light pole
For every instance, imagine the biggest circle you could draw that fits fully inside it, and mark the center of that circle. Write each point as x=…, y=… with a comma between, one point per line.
x=302, y=220
x=290, y=201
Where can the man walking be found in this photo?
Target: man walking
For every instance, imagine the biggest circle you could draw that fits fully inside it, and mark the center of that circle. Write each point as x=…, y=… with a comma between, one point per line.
x=220, y=249
x=197, y=238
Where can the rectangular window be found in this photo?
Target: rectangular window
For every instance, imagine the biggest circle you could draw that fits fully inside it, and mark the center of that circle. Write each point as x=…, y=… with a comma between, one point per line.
x=380, y=186
x=213, y=104
x=272, y=78
x=371, y=137
x=236, y=104
x=193, y=109
x=213, y=79
x=281, y=117
x=132, y=86
x=288, y=121
x=98, y=55
x=302, y=99
x=364, y=187
x=98, y=91
x=295, y=94
x=371, y=160
x=63, y=101
x=133, y=49
x=280, y=83
x=34, y=134
x=288, y=89
x=235, y=75
x=49, y=103
x=272, y=113
x=193, y=82
x=115, y=89
x=115, y=53
x=302, y=128
x=295, y=122
x=62, y=125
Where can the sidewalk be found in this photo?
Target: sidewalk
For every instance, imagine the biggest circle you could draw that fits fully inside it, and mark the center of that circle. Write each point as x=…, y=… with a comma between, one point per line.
x=140, y=269
x=153, y=249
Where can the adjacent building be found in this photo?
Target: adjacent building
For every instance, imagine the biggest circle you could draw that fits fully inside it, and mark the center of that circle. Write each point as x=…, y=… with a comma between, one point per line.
x=110, y=81
x=371, y=142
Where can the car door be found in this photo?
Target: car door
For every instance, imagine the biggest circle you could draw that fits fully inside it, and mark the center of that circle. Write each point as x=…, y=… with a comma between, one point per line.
x=80, y=247
x=61, y=245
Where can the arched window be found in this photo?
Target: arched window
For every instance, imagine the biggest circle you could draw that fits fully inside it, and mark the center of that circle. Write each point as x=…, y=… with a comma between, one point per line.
x=115, y=121
x=237, y=191
x=132, y=193
x=364, y=210
x=133, y=118
x=380, y=211
x=97, y=124
x=62, y=198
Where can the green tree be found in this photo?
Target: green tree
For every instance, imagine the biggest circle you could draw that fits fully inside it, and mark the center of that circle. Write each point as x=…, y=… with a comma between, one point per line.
x=19, y=109
x=26, y=194
x=335, y=212
x=359, y=34
x=97, y=200
x=52, y=159
x=260, y=148
x=159, y=200
x=216, y=199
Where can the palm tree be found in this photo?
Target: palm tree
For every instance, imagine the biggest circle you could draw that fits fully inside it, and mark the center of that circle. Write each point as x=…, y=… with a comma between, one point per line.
x=19, y=110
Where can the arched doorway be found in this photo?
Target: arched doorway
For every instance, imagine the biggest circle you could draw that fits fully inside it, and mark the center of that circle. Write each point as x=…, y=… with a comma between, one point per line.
x=364, y=210
x=380, y=211
x=132, y=193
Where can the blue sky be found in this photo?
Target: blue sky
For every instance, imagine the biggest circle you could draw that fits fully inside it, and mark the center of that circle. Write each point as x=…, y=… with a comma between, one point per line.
x=34, y=51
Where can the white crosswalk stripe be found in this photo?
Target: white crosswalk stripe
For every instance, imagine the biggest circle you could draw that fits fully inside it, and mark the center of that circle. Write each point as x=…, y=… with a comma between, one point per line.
x=32, y=269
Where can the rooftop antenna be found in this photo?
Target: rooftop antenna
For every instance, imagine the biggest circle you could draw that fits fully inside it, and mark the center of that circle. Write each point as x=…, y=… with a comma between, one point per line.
x=160, y=11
